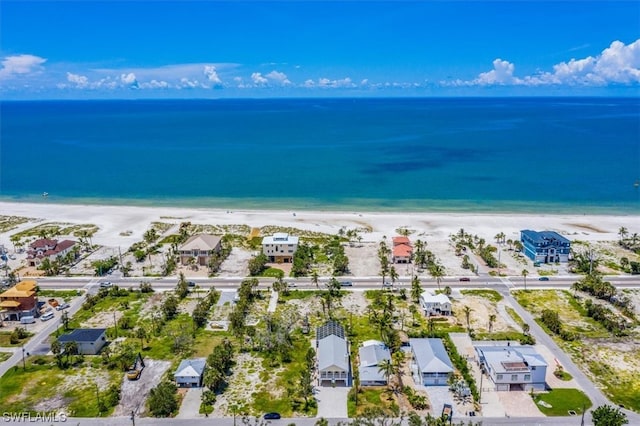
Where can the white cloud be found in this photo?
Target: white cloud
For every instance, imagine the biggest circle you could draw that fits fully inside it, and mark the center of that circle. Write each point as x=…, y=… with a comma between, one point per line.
x=617, y=64
x=341, y=83
x=278, y=77
x=212, y=75
x=154, y=84
x=258, y=79
x=129, y=79
x=309, y=83
x=80, y=81
x=20, y=65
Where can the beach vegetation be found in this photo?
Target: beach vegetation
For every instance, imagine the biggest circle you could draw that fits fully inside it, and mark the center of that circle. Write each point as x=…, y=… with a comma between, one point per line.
x=491, y=295
x=558, y=402
x=102, y=266
x=606, y=415
x=257, y=264
x=163, y=401
x=7, y=223
x=55, y=229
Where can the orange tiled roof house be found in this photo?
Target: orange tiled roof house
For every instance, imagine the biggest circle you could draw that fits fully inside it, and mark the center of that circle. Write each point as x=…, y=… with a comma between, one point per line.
x=19, y=301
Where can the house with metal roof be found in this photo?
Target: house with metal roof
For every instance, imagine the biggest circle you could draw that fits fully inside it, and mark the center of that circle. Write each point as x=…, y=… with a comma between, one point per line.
x=430, y=364
x=512, y=367
x=280, y=247
x=371, y=354
x=332, y=355
x=545, y=246
x=190, y=372
x=199, y=247
x=435, y=304
x=89, y=340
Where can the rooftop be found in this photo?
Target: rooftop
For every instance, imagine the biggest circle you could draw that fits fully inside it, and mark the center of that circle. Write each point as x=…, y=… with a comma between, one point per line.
x=201, y=242
x=82, y=335
x=544, y=237
x=431, y=356
x=191, y=367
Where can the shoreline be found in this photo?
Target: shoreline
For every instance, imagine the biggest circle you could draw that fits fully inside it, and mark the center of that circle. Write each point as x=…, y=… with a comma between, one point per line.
x=113, y=220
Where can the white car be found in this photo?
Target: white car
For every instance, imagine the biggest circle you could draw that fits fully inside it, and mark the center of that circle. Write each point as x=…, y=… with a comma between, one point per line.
x=105, y=284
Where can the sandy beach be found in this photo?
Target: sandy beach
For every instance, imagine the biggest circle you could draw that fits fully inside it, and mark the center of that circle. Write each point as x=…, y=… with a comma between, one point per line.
x=113, y=221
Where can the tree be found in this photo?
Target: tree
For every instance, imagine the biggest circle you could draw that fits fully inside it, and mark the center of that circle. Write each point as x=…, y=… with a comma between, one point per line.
x=525, y=328
x=387, y=369
x=141, y=334
x=56, y=349
x=524, y=276
x=492, y=319
x=70, y=348
x=393, y=274
x=623, y=232
x=606, y=415
x=257, y=264
x=182, y=288
x=162, y=400
x=467, y=315
x=437, y=271
x=314, y=278
x=170, y=307
x=416, y=289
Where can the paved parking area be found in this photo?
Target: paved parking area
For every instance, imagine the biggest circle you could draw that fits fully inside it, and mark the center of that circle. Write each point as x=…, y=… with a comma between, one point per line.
x=226, y=296
x=519, y=404
x=332, y=402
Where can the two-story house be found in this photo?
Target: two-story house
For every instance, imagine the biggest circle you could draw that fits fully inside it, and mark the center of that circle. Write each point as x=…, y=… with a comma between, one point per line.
x=334, y=367
x=20, y=300
x=280, y=247
x=199, y=247
x=512, y=367
x=435, y=304
x=545, y=246
x=46, y=248
x=402, y=250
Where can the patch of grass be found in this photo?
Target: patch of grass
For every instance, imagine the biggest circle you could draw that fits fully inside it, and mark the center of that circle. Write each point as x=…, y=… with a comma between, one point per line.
x=501, y=335
x=561, y=401
x=7, y=223
x=206, y=341
x=564, y=376
x=491, y=295
x=512, y=312
x=547, y=272
x=298, y=295
x=273, y=272
x=5, y=339
x=109, y=303
x=622, y=387
x=5, y=356
x=66, y=295
x=369, y=398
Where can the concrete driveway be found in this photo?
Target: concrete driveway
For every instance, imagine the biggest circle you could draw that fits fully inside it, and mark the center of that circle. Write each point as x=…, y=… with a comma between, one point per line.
x=191, y=404
x=332, y=402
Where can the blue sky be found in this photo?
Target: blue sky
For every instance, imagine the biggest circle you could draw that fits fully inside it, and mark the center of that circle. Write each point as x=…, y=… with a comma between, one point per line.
x=216, y=49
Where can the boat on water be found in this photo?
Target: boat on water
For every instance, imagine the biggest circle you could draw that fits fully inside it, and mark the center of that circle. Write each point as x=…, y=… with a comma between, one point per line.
x=45, y=194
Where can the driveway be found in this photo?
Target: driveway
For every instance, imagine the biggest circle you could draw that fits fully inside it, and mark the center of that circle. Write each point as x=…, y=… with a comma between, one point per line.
x=332, y=402
x=190, y=404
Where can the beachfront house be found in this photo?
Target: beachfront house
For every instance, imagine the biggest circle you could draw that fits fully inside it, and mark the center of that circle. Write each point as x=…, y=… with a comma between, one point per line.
x=435, y=304
x=19, y=301
x=430, y=364
x=280, y=247
x=200, y=248
x=190, y=373
x=333, y=355
x=545, y=246
x=402, y=250
x=89, y=340
x=512, y=367
x=45, y=248
x=371, y=354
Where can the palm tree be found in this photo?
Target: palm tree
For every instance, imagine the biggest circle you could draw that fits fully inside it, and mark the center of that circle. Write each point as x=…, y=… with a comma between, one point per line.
x=70, y=348
x=437, y=272
x=393, y=274
x=525, y=328
x=492, y=319
x=314, y=278
x=623, y=232
x=416, y=289
x=467, y=315
x=398, y=359
x=524, y=275
x=388, y=369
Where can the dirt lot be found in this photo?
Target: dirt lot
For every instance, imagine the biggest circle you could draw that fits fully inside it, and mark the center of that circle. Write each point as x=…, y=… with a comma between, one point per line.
x=363, y=259
x=481, y=308
x=236, y=265
x=134, y=393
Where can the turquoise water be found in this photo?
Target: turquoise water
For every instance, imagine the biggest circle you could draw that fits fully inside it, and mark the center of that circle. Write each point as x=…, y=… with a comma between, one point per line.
x=476, y=154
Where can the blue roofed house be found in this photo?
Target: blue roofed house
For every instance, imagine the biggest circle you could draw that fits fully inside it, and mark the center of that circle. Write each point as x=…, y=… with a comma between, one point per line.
x=333, y=355
x=431, y=365
x=512, y=367
x=371, y=354
x=190, y=372
x=89, y=340
x=545, y=246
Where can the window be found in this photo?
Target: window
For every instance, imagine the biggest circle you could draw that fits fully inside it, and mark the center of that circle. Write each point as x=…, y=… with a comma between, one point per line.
x=499, y=377
x=527, y=377
x=514, y=377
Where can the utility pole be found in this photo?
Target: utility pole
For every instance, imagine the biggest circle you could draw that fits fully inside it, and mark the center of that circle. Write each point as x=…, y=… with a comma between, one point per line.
x=115, y=324
x=133, y=418
x=24, y=365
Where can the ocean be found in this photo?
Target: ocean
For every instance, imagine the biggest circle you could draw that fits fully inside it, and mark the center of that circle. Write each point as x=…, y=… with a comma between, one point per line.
x=553, y=155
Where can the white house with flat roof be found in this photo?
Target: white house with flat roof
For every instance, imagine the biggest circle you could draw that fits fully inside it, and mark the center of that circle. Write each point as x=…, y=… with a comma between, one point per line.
x=280, y=247
x=512, y=367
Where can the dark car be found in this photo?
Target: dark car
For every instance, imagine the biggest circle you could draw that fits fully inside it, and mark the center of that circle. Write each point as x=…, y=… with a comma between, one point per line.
x=272, y=416
x=543, y=279
x=191, y=284
x=346, y=284
x=465, y=279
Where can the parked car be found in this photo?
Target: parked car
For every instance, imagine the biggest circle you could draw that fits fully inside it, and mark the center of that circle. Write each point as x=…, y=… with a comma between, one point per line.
x=191, y=284
x=62, y=307
x=543, y=279
x=387, y=284
x=272, y=416
x=46, y=317
x=105, y=284
x=27, y=319
x=465, y=279
x=346, y=284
